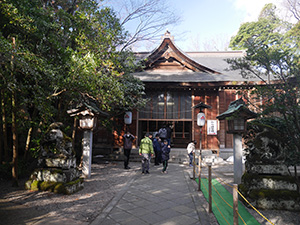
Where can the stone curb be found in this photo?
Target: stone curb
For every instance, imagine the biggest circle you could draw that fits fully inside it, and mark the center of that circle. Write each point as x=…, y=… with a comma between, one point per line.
x=193, y=188
x=103, y=214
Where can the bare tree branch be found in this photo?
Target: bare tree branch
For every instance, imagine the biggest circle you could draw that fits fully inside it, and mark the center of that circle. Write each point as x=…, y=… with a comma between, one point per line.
x=146, y=20
x=294, y=7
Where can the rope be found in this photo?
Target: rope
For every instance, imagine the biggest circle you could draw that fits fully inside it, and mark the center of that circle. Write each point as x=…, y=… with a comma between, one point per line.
x=241, y=218
x=255, y=208
x=222, y=181
x=217, y=206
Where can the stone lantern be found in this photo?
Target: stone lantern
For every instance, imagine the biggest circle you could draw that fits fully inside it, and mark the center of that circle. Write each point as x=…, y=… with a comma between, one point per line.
x=236, y=116
x=87, y=112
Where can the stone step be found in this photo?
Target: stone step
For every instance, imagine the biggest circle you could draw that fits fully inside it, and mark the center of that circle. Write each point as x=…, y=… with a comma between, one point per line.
x=177, y=155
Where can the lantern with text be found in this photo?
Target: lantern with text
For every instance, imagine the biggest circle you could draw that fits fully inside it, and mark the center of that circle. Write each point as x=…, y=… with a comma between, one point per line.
x=128, y=118
x=201, y=119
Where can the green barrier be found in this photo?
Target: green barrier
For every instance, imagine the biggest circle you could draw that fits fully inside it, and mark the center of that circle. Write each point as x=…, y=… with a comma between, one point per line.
x=224, y=214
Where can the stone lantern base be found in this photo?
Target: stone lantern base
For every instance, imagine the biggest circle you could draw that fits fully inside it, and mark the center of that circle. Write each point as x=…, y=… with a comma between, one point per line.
x=59, y=176
x=270, y=187
x=57, y=171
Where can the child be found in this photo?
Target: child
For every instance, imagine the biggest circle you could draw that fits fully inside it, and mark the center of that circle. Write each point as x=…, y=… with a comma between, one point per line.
x=191, y=149
x=165, y=155
x=157, y=149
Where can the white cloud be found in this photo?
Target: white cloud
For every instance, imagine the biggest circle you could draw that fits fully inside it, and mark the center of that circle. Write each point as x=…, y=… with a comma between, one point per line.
x=252, y=8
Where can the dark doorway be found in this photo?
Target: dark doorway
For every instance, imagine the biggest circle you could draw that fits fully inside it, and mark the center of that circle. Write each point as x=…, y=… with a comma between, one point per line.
x=181, y=135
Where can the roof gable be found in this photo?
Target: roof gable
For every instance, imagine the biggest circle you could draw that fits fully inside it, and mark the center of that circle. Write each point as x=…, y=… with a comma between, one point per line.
x=168, y=57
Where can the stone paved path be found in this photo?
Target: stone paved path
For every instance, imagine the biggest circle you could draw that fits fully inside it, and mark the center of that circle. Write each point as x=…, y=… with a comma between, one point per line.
x=156, y=198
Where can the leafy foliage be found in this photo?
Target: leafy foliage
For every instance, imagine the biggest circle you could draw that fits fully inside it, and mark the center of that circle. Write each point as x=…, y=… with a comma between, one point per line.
x=272, y=54
x=63, y=48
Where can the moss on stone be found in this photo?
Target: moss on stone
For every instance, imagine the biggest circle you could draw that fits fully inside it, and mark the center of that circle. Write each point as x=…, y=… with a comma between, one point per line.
x=243, y=189
x=248, y=178
x=274, y=194
x=35, y=185
x=79, y=180
x=60, y=188
x=47, y=186
x=55, y=171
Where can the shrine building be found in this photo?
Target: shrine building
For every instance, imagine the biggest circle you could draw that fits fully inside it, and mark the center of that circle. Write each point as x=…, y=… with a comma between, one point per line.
x=175, y=81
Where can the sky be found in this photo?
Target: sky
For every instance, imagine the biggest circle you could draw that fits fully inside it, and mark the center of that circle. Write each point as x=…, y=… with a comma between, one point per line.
x=209, y=24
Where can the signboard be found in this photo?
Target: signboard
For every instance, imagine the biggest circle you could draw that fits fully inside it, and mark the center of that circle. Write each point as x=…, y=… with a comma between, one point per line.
x=212, y=127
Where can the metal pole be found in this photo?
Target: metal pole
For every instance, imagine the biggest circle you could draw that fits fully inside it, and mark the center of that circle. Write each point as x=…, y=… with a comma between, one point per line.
x=235, y=205
x=200, y=159
x=200, y=144
x=209, y=189
x=199, y=175
x=194, y=165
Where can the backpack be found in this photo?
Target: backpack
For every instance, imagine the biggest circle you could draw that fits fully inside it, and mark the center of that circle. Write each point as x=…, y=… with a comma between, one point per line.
x=163, y=133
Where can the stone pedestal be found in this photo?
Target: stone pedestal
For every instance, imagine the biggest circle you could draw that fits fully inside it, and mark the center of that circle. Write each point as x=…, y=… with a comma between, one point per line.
x=87, y=142
x=58, y=175
x=238, y=155
x=57, y=170
x=270, y=187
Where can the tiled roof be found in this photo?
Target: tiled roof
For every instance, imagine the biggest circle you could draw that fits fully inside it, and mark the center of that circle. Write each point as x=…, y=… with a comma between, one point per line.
x=214, y=64
x=214, y=60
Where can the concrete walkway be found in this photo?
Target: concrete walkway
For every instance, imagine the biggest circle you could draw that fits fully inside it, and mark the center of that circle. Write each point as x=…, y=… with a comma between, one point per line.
x=156, y=198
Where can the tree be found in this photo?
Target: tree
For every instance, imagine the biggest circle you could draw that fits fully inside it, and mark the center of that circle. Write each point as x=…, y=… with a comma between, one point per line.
x=62, y=48
x=273, y=55
x=294, y=7
x=145, y=20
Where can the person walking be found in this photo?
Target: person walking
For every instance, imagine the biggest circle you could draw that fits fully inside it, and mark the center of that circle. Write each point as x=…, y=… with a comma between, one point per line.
x=191, y=149
x=169, y=128
x=127, y=140
x=165, y=155
x=157, y=149
x=146, y=150
x=163, y=132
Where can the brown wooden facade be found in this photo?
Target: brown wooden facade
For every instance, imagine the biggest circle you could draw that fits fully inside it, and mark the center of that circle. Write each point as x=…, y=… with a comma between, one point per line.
x=175, y=82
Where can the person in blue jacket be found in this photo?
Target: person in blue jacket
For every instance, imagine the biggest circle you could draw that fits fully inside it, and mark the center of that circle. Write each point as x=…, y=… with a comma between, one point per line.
x=165, y=155
x=157, y=149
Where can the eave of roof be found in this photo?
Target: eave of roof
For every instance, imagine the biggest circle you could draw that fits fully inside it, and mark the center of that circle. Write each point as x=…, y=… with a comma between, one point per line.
x=211, y=66
x=187, y=76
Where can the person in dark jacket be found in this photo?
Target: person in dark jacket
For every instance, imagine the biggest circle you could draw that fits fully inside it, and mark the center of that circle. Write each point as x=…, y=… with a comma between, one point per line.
x=169, y=133
x=165, y=155
x=127, y=139
x=157, y=149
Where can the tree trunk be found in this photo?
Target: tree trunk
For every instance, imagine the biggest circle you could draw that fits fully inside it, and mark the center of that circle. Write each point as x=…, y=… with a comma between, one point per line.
x=73, y=134
x=4, y=128
x=14, y=129
x=27, y=142
x=1, y=131
x=15, y=143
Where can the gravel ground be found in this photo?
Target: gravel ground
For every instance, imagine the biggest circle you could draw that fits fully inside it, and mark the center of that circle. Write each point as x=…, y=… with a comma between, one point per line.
x=18, y=206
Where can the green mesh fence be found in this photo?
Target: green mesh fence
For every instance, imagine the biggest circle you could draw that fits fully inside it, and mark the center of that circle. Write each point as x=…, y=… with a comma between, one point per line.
x=222, y=210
